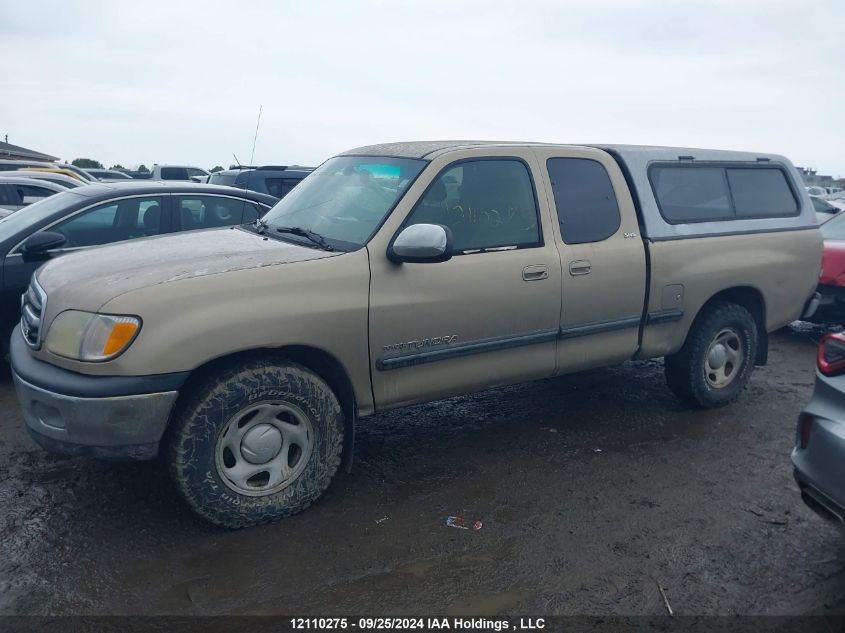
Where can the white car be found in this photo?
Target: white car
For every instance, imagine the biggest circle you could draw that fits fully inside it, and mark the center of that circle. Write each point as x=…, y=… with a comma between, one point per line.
x=179, y=172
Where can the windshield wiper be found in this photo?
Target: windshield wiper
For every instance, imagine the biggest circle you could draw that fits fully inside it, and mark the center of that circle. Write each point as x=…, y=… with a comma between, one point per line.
x=315, y=238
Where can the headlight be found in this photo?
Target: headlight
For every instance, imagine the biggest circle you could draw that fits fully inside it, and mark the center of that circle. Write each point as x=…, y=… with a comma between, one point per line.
x=91, y=337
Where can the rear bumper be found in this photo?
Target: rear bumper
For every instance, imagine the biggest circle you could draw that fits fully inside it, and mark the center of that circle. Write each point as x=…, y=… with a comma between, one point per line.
x=819, y=502
x=811, y=305
x=820, y=466
x=112, y=417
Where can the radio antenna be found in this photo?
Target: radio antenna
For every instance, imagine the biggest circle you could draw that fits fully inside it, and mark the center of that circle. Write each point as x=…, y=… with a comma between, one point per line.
x=255, y=138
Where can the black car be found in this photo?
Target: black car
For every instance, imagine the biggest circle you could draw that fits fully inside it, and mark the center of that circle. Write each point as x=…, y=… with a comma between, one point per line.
x=273, y=180
x=104, y=213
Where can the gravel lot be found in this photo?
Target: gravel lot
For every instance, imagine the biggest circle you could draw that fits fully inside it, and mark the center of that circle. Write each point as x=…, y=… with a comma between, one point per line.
x=592, y=489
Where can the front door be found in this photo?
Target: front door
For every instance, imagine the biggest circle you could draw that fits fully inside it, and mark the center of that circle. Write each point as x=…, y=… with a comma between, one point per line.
x=603, y=257
x=487, y=316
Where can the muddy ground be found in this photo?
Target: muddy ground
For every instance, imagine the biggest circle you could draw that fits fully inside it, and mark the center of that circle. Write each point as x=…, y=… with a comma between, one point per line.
x=591, y=488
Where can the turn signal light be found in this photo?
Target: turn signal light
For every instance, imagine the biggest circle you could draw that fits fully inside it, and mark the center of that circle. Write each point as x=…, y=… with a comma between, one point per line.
x=831, y=358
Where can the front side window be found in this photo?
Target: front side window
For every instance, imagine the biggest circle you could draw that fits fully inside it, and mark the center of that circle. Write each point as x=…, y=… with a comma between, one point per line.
x=586, y=203
x=346, y=199
x=113, y=222
x=206, y=212
x=488, y=204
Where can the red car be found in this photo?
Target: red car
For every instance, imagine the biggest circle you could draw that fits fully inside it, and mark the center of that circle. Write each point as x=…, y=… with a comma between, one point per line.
x=832, y=279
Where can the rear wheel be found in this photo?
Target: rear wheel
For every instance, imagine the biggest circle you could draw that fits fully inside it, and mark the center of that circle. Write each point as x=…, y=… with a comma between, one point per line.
x=256, y=443
x=717, y=359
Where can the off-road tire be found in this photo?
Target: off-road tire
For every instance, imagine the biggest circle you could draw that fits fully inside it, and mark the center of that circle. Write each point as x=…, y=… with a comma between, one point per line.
x=685, y=371
x=207, y=411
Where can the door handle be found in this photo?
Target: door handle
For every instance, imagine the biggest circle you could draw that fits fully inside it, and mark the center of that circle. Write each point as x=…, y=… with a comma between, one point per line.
x=535, y=273
x=580, y=267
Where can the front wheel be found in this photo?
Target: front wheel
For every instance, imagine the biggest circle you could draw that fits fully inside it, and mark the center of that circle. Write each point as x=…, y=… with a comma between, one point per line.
x=256, y=443
x=717, y=359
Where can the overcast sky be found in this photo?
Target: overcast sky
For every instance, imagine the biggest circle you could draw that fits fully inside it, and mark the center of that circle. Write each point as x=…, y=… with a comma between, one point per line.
x=181, y=82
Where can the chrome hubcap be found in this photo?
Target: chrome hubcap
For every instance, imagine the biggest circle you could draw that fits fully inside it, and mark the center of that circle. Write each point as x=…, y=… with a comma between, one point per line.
x=724, y=358
x=263, y=448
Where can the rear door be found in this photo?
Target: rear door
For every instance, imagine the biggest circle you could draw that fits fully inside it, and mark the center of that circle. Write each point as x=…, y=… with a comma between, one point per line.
x=603, y=257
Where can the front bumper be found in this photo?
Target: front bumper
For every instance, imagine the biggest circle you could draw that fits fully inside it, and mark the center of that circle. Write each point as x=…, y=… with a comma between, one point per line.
x=111, y=417
x=117, y=427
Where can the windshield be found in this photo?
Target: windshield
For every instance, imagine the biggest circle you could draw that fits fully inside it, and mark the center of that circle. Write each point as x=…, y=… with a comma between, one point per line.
x=33, y=214
x=346, y=199
x=222, y=179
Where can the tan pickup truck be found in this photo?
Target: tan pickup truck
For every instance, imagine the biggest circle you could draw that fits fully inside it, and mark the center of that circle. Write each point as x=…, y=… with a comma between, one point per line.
x=402, y=273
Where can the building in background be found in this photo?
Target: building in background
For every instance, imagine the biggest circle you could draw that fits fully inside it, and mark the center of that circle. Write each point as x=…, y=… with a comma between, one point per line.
x=811, y=177
x=15, y=152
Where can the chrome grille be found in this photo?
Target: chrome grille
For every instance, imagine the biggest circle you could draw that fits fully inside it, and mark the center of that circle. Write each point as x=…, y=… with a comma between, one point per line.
x=33, y=302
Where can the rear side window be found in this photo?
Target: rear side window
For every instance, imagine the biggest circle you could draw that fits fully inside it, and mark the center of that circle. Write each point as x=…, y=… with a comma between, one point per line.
x=705, y=193
x=761, y=193
x=586, y=203
x=691, y=194
x=9, y=195
x=280, y=187
x=205, y=212
x=30, y=194
x=222, y=179
x=174, y=173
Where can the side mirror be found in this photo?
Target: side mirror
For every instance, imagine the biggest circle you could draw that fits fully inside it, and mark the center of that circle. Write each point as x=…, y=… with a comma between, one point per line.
x=421, y=243
x=36, y=245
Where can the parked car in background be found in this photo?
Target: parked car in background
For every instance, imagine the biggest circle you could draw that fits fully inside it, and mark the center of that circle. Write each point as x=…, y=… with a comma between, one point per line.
x=67, y=182
x=816, y=191
x=78, y=172
x=108, y=174
x=17, y=193
x=276, y=181
x=831, y=287
x=178, y=172
x=139, y=175
x=104, y=213
x=819, y=453
x=8, y=164
x=403, y=273
x=824, y=209
x=57, y=170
